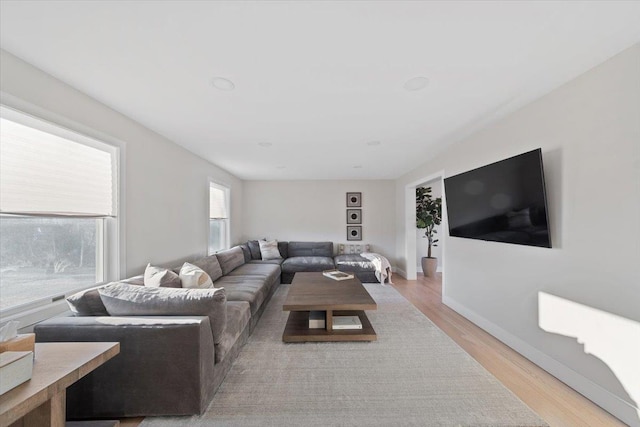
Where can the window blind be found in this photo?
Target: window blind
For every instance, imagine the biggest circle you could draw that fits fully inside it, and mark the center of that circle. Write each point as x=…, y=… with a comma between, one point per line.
x=217, y=203
x=45, y=174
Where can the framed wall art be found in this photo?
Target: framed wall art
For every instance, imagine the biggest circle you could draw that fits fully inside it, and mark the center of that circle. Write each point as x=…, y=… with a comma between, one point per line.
x=354, y=200
x=354, y=216
x=354, y=232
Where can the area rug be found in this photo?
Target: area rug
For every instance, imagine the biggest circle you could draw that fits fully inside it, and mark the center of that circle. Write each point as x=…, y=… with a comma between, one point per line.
x=414, y=375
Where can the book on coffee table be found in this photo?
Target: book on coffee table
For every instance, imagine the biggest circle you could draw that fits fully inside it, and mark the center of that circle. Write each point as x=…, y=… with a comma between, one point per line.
x=337, y=275
x=346, y=322
x=317, y=319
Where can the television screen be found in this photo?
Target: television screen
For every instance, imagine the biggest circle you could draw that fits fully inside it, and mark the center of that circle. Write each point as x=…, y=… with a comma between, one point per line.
x=502, y=202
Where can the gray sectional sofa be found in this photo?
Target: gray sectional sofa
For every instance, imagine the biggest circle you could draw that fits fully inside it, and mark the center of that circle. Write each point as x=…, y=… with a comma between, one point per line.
x=312, y=256
x=174, y=357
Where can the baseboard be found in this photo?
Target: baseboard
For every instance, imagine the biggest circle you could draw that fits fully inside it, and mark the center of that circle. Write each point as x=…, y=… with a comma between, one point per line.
x=399, y=271
x=603, y=398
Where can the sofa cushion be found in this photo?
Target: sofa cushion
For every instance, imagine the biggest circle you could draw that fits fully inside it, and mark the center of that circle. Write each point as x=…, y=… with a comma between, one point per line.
x=137, y=280
x=121, y=299
x=298, y=249
x=230, y=259
x=264, y=270
x=353, y=262
x=211, y=266
x=267, y=261
x=161, y=277
x=245, y=288
x=307, y=263
x=269, y=249
x=238, y=316
x=194, y=277
x=87, y=303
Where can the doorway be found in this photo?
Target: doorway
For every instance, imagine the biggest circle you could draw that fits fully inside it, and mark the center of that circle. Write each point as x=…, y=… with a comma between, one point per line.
x=415, y=245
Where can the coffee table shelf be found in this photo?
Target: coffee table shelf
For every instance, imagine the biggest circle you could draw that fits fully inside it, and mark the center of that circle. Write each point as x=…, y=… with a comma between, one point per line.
x=297, y=329
x=313, y=291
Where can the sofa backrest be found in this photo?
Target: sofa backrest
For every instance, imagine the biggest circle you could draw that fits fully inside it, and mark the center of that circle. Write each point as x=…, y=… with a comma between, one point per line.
x=230, y=259
x=310, y=249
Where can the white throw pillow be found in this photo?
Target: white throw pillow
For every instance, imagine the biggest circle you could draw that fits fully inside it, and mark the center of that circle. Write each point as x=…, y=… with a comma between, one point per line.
x=159, y=277
x=194, y=277
x=269, y=249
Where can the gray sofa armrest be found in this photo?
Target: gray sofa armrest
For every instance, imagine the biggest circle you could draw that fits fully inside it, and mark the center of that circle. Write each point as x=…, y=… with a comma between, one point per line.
x=165, y=365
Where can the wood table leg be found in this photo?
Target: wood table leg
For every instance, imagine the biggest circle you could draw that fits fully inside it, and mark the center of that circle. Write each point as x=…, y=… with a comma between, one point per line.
x=329, y=320
x=51, y=413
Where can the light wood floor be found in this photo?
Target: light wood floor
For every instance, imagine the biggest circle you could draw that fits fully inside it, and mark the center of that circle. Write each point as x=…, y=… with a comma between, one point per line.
x=551, y=399
x=558, y=404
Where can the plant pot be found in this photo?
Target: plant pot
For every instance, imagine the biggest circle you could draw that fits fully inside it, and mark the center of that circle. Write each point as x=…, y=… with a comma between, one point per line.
x=429, y=266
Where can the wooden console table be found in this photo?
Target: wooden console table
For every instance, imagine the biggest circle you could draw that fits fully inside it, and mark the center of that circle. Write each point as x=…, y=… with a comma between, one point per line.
x=41, y=401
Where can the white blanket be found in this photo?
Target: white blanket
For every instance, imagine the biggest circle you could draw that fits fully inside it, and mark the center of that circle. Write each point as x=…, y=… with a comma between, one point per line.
x=381, y=264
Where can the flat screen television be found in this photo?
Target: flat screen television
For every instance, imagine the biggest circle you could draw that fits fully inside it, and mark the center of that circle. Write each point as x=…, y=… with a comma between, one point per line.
x=501, y=202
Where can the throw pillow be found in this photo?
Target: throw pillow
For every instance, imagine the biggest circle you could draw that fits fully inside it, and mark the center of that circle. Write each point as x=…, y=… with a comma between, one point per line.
x=87, y=303
x=161, y=277
x=230, y=259
x=194, y=277
x=211, y=266
x=254, y=248
x=246, y=251
x=121, y=299
x=269, y=249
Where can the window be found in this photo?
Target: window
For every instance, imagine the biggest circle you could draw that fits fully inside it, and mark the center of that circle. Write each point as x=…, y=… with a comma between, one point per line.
x=218, y=217
x=47, y=257
x=57, y=212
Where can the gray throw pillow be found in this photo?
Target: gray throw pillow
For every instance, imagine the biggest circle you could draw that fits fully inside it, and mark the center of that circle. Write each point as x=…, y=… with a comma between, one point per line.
x=230, y=259
x=161, y=277
x=87, y=303
x=269, y=249
x=254, y=248
x=211, y=266
x=246, y=251
x=129, y=300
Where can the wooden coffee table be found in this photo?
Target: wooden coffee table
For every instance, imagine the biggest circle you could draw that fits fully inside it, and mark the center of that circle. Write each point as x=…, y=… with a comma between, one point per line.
x=313, y=291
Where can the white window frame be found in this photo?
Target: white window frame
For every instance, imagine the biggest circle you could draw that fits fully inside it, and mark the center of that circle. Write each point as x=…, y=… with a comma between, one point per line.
x=109, y=237
x=227, y=222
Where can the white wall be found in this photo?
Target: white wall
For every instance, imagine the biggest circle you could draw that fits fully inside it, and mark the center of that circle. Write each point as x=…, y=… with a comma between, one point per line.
x=316, y=211
x=166, y=187
x=589, y=132
x=421, y=241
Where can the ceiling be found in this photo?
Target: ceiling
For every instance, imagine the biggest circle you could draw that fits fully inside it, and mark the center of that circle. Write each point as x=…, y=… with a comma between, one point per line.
x=319, y=86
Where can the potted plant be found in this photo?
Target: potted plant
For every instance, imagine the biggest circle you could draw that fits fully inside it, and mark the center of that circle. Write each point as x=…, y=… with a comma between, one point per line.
x=428, y=215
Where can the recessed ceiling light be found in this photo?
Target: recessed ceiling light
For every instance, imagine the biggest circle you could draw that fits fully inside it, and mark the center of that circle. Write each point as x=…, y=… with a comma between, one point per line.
x=416, y=83
x=222, y=84
x=373, y=143
x=265, y=144
x=357, y=167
